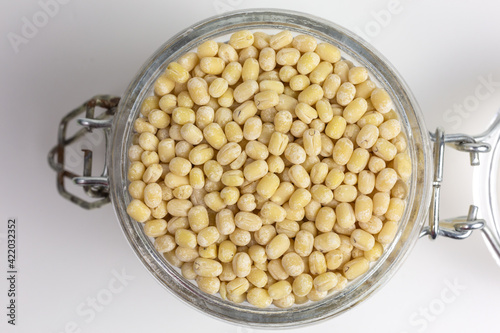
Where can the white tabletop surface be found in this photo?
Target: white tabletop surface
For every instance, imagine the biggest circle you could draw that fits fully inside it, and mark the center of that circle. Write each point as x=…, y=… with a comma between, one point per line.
x=68, y=256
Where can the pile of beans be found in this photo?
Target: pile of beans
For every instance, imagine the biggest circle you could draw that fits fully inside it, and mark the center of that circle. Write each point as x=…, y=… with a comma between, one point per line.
x=268, y=168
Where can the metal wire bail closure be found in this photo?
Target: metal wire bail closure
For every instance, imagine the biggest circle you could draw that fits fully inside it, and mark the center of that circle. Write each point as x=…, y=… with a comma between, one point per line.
x=94, y=186
x=459, y=227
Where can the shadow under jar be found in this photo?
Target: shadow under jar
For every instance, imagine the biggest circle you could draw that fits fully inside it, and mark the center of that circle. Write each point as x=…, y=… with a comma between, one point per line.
x=423, y=185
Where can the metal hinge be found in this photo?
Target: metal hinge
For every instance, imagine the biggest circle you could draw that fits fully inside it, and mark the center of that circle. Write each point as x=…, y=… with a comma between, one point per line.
x=458, y=227
x=94, y=186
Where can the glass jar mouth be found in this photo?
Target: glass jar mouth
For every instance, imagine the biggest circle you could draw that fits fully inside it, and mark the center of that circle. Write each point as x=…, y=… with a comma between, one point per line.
x=361, y=53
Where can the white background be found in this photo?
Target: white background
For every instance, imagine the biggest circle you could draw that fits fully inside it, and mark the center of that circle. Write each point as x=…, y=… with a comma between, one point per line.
x=67, y=254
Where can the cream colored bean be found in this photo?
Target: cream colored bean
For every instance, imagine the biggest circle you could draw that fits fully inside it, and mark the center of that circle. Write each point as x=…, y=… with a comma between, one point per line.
x=312, y=142
x=342, y=151
x=256, y=150
x=373, y=226
x=242, y=264
x=336, y=127
x=265, y=234
x=311, y=95
x=246, y=90
x=367, y=136
x=334, y=178
x=355, y=268
x=358, y=161
x=375, y=253
x=355, y=110
x=277, y=246
x=390, y=129
x=201, y=154
x=214, y=201
x=388, y=232
x=241, y=39
x=208, y=236
x=362, y=240
x=334, y=259
x=261, y=40
x=331, y=85
x=345, y=193
x=165, y=243
x=214, y=135
x=345, y=94
x=250, y=69
x=207, y=267
x=272, y=212
x=259, y=297
x=209, y=252
x=255, y=170
x=138, y=210
x=152, y=173
x=212, y=65
x=281, y=40
x=376, y=164
x=233, y=132
x=248, y=221
x=402, y=165
x=321, y=72
x=384, y=149
x=302, y=284
x=177, y=73
x=325, y=282
x=321, y=194
x=183, y=115
x=317, y=263
x=325, y=219
x=381, y=100
x=185, y=238
x=238, y=286
x=395, y=210
x=363, y=208
x=152, y=195
x=280, y=289
x=345, y=215
x=198, y=90
x=166, y=150
x=357, y=75
x=371, y=117
x=299, y=176
x=328, y=52
x=245, y=111
x=381, y=202
x=386, y=179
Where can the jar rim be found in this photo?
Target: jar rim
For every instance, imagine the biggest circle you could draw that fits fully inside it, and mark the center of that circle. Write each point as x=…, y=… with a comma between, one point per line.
x=418, y=146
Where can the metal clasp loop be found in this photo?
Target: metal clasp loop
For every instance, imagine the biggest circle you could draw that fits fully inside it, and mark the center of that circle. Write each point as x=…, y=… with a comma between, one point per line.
x=459, y=227
x=96, y=187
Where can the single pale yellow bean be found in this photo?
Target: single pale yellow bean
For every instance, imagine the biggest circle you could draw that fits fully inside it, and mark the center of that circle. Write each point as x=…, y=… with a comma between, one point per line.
x=402, y=165
x=138, y=210
x=363, y=208
x=336, y=127
x=395, y=210
x=242, y=264
x=334, y=259
x=381, y=100
x=248, y=221
x=281, y=40
x=325, y=282
x=277, y=246
x=386, y=179
x=317, y=263
x=280, y=289
x=362, y=240
x=325, y=219
x=259, y=297
x=328, y=52
x=342, y=151
x=311, y=95
x=241, y=39
x=355, y=268
x=345, y=215
x=255, y=170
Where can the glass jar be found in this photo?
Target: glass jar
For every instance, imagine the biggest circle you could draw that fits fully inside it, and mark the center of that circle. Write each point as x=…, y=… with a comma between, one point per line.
x=423, y=185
